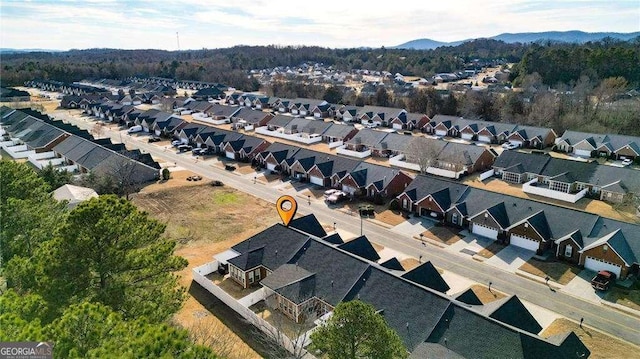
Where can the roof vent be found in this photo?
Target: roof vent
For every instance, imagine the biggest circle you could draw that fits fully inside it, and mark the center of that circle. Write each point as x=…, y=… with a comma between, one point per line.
x=514, y=204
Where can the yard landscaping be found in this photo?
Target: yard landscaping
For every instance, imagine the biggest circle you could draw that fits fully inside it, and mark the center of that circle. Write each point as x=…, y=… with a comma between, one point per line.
x=559, y=272
x=628, y=297
x=485, y=295
x=205, y=220
x=445, y=235
x=601, y=345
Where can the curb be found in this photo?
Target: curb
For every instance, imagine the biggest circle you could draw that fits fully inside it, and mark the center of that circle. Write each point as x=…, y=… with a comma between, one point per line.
x=621, y=308
x=535, y=278
x=432, y=242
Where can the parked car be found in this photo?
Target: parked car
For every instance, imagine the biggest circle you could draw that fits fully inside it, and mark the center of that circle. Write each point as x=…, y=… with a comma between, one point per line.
x=198, y=151
x=603, y=280
x=154, y=139
x=217, y=183
x=184, y=148
x=176, y=143
x=329, y=192
x=135, y=129
x=336, y=197
x=509, y=146
x=230, y=167
x=627, y=162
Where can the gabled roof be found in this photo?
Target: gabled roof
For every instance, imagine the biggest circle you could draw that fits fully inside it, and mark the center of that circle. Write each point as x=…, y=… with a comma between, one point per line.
x=309, y=224
x=393, y=264
x=334, y=239
x=250, y=116
x=367, y=137
x=531, y=163
x=511, y=311
x=395, y=142
x=617, y=241
x=469, y=297
x=361, y=247
x=338, y=130
x=336, y=165
x=422, y=186
x=280, y=121
x=427, y=275
x=218, y=110
x=366, y=174
x=315, y=127
x=292, y=281
x=271, y=248
x=280, y=151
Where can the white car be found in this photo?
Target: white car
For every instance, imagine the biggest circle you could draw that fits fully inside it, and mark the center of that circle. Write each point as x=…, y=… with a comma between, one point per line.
x=627, y=162
x=336, y=197
x=509, y=146
x=135, y=129
x=329, y=192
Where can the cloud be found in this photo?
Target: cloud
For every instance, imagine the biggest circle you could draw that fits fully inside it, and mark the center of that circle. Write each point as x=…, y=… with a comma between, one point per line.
x=332, y=23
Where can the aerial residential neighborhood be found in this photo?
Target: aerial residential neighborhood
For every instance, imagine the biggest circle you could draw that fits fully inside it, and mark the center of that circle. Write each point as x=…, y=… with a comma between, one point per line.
x=344, y=198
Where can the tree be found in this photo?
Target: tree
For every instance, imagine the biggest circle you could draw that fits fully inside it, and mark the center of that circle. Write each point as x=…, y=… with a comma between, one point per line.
x=382, y=97
x=55, y=178
x=423, y=152
x=355, y=330
x=97, y=130
x=119, y=259
x=16, y=177
x=333, y=94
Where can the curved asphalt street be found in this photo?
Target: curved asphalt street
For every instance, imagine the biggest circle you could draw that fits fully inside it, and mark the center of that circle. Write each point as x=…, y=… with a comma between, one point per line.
x=606, y=319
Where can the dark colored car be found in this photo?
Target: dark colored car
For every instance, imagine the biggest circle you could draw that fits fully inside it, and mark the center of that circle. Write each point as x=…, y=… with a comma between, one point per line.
x=184, y=148
x=603, y=280
x=154, y=139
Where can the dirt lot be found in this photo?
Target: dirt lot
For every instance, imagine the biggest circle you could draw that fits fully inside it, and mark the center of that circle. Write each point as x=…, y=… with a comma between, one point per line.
x=587, y=205
x=600, y=345
x=205, y=220
x=559, y=272
x=409, y=263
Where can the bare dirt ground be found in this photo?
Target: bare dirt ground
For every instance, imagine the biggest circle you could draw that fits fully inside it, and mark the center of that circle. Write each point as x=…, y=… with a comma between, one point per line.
x=409, y=263
x=445, y=235
x=601, y=345
x=205, y=221
x=490, y=250
x=485, y=295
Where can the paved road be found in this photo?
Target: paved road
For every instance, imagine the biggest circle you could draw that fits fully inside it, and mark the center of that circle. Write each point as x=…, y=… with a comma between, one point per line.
x=618, y=324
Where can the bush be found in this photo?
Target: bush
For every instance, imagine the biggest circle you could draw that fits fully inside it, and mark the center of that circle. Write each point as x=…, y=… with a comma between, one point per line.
x=394, y=205
x=166, y=174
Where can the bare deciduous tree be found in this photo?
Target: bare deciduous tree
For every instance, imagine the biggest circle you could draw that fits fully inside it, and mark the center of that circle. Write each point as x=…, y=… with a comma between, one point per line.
x=97, y=130
x=423, y=152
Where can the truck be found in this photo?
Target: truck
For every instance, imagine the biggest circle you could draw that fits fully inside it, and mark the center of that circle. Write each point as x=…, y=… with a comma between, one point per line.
x=603, y=280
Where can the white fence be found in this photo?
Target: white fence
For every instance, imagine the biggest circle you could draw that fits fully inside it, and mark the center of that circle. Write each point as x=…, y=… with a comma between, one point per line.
x=199, y=275
x=343, y=151
x=297, y=137
x=335, y=144
x=444, y=173
x=398, y=162
x=18, y=151
x=487, y=174
x=530, y=188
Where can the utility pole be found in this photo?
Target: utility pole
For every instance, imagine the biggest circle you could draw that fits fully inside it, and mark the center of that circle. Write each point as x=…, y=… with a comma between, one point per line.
x=178, y=40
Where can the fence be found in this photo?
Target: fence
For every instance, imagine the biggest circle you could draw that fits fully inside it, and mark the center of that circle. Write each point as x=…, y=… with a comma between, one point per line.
x=335, y=144
x=343, y=151
x=199, y=275
x=531, y=188
x=487, y=174
x=297, y=137
x=398, y=162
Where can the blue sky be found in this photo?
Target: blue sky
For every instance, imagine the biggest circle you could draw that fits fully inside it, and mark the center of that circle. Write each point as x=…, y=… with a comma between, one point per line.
x=67, y=24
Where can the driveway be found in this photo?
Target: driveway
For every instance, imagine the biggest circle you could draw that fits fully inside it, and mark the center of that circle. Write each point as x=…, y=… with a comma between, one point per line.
x=510, y=258
x=413, y=226
x=580, y=287
x=469, y=244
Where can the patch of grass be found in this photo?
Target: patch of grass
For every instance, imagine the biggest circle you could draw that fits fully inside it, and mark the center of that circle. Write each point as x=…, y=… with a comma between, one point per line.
x=445, y=235
x=225, y=198
x=389, y=217
x=629, y=297
x=485, y=295
x=491, y=250
x=559, y=272
x=601, y=345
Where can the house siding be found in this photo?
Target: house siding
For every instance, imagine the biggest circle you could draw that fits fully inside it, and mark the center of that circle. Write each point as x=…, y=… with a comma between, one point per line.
x=609, y=256
x=609, y=196
x=398, y=184
x=575, y=254
x=429, y=205
x=626, y=152
x=484, y=161
x=485, y=221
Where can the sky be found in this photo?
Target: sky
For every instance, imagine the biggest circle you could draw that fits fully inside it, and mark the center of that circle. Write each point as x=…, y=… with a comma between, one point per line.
x=144, y=24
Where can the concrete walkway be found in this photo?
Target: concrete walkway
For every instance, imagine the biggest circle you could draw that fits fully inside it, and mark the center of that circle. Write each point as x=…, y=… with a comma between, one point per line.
x=510, y=258
x=413, y=226
x=580, y=286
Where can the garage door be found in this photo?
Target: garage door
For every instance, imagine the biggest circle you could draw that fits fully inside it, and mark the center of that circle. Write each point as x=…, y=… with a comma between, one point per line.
x=316, y=180
x=485, y=231
x=271, y=166
x=517, y=143
x=524, y=242
x=441, y=132
x=467, y=136
x=486, y=139
x=397, y=126
x=598, y=265
x=230, y=155
x=583, y=153
x=348, y=189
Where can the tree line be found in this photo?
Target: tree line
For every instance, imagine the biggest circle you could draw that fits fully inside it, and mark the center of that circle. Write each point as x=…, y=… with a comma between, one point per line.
x=97, y=280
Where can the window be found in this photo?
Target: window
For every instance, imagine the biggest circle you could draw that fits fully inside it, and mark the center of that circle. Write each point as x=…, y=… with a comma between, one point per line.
x=257, y=274
x=454, y=218
x=405, y=203
x=605, y=248
x=526, y=225
x=251, y=277
x=568, y=250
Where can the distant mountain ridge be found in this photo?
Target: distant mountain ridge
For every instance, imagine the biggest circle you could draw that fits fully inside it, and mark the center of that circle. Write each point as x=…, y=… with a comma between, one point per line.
x=574, y=36
x=4, y=50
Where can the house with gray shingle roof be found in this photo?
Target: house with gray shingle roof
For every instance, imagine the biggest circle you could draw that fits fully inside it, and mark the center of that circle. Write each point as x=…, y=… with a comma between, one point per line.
x=601, y=145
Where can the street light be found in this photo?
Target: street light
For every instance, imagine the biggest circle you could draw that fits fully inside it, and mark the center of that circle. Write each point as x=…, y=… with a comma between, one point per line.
x=421, y=238
x=334, y=226
x=309, y=199
x=490, y=286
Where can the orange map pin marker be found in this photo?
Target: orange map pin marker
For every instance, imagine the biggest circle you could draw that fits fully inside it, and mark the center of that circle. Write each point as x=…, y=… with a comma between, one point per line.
x=286, y=213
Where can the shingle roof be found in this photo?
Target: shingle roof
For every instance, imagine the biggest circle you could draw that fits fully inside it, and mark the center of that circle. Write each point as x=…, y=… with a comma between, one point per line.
x=309, y=224
x=361, y=247
x=393, y=264
x=367, y=137
x=338, y=130
x=334, y=239
x=511, y=311
x=427, y=275
x=469, y=297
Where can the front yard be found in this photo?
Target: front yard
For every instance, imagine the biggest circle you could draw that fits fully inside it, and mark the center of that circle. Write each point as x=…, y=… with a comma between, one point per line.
x=486, y=296
x=629, y=297
x=445, y=235
x=601, y=345
x=491, y=250
x=557, y=271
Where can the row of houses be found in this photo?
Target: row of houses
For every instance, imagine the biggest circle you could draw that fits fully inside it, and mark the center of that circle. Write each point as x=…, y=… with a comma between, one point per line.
x=586, y=144
x=566, y=179
x=42, y=141
x=588, y=240
x=306, y=273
